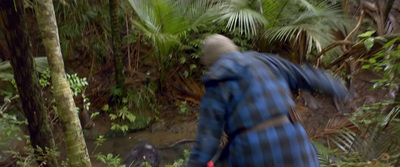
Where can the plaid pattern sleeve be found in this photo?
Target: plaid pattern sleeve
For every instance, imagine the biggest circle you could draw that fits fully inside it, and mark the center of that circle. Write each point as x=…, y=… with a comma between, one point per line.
x=309, y=78
x=212, y=110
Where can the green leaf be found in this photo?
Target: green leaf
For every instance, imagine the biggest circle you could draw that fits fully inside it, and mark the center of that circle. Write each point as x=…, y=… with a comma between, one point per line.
x=186, y=73
x=366, y=34
x=368, y=43
x=131, y=117
x=378, y=68
x=94, y=114
x=390, y=43
x=193, y=66
x=5, y=76
x=366, y=66
x=396, y=53
x=372, y=60
x=113, y=116
x=114, y=126
x=124, y=100
x=124, y=128
x=182, y=60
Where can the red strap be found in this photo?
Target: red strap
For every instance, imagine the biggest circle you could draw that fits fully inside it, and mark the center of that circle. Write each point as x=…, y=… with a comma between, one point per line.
x=210, y=164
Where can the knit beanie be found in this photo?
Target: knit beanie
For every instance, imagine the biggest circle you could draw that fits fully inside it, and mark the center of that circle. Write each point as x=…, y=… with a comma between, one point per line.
x=215, y=46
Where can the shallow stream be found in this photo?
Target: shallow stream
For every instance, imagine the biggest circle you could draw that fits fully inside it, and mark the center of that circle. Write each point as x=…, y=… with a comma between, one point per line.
x=161, y=136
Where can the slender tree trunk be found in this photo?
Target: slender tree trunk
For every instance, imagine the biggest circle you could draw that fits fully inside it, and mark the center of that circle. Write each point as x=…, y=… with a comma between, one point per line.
x=13, y=25
x=116, y=44
x=76, y=147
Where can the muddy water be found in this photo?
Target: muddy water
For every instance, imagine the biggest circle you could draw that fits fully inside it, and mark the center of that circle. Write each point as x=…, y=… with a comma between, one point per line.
x=161, y=136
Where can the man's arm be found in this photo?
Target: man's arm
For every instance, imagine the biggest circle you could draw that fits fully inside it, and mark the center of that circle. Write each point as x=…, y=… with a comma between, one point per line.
x=212, y=110
x=309, y=78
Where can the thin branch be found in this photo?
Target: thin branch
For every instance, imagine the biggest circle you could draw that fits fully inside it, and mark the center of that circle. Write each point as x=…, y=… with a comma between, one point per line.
x=96, y=31
x=138, y=51
x=331, y=46
x=7, y=103
x=128, y=45
x=362, y=15
x=345, y=41
x=339, y=59
x=369, y=5
x=357, y=46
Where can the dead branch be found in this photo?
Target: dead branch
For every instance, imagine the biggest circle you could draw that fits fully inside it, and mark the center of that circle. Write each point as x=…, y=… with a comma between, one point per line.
x=360, y=46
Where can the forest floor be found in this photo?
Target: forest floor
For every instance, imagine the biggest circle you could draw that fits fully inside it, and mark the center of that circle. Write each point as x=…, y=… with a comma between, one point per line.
x=314, y=111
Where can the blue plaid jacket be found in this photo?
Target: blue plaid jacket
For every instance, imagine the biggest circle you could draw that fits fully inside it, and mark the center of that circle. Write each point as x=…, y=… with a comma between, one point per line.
x=244, y=89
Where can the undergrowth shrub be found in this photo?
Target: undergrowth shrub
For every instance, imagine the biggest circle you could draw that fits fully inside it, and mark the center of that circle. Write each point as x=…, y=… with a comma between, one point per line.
x=371, y=140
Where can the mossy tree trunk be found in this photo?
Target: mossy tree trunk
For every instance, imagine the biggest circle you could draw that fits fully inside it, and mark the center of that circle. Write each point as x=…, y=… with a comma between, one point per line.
x=15, y=31
x=76, y=147
x=116, y=45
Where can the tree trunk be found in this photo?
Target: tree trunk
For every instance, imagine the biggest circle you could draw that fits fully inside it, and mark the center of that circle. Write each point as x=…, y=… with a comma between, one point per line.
x=116, y=44
x=76, y=147
x=13, y=25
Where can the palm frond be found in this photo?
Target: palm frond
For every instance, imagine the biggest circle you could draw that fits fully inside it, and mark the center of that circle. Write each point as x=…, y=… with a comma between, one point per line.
x=161, y=22
x=344, y=140
x=6, y=76
x=5, y=65
x=315, y=23
x=6, y=72
x=41, y=64
x=199, y=13
x=370, y=136
x=324, y=154
x=271, y=9
x=239, y=14
x=167, y=22
x=307, y=5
